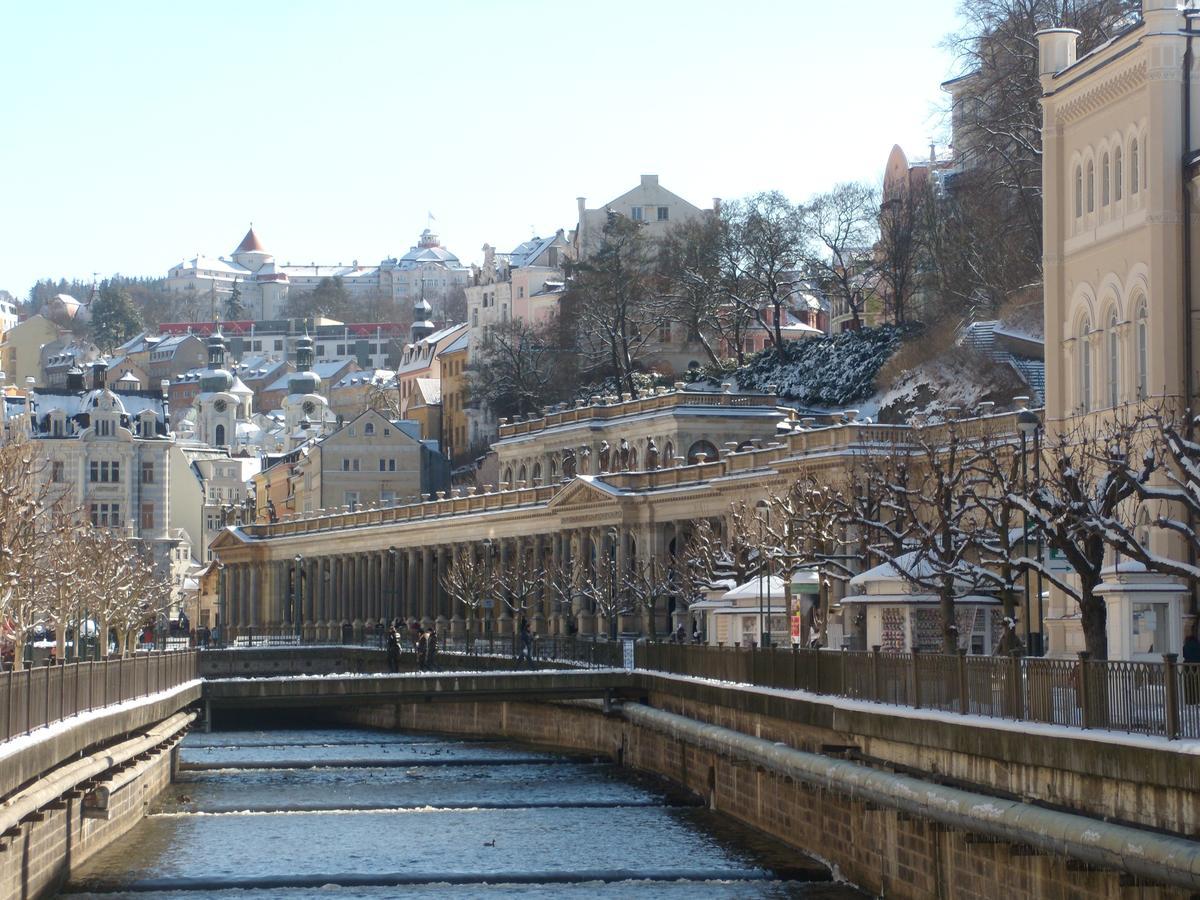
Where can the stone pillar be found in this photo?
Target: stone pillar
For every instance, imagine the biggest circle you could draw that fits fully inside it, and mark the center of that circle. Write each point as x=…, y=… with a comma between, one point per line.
x=442, y=604
x=504, y=622
x=426, y=587
x=412, y=607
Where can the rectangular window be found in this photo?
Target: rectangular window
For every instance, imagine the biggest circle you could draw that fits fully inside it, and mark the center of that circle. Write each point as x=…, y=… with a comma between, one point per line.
x=475, y=317
x=637, y=214
x=147, y=516
x=320, y=349
x=387, y=496
x=116, y=472
x=383, y=465
x=147, y=473
x=56, y=471
x=279, y=345
x=664, y=213
x=355, y=464
x=93, y=471
x=520, y=293
x=351, y=499
x=391, y=465
x=664, y=333
x=341, y=349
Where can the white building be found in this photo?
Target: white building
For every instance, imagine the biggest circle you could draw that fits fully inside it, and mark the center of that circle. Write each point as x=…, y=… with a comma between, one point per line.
x=107, y=452
x=427, y=270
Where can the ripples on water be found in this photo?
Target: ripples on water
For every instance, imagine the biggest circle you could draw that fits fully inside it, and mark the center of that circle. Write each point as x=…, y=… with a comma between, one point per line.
x=366, y=814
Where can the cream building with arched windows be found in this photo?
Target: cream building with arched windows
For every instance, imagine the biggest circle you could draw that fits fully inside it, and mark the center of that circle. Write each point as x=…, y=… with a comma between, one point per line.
x=1117, y=256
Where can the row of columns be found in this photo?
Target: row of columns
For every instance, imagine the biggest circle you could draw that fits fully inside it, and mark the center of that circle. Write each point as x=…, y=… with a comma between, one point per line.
x=348, y=595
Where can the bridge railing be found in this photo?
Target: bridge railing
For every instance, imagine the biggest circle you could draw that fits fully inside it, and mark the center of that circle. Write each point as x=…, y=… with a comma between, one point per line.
x=1154, y=698
x=39, y=696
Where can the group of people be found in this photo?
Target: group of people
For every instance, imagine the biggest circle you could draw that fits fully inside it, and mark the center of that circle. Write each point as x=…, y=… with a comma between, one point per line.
x=424, y=642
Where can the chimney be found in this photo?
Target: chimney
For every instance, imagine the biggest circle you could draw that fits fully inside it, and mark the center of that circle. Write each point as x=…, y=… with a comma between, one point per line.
x=98, y=376
x=1056, y=51
x=649, y=181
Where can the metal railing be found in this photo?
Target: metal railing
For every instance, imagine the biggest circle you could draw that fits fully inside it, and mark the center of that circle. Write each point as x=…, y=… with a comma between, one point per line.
x=1154, y=698
x=574, y=651
x=38, y=696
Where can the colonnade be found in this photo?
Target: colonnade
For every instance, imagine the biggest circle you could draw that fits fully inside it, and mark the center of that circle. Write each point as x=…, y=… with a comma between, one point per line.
x=338, y=596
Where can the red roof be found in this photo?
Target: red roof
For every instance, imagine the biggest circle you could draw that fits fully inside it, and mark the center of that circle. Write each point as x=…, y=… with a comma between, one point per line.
x=250, y=243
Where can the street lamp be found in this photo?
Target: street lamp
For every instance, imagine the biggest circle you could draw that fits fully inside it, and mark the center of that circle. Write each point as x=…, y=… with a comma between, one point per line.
x=764, y=513
x=1030, y=426
x=613, y=537
x=298, y=594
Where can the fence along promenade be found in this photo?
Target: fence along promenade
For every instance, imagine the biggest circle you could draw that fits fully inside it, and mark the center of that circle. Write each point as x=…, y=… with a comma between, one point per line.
x=39, y=696
x=1152, y=698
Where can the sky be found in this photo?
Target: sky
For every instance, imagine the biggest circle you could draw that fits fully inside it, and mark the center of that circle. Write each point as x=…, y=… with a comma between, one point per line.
x=134, y=135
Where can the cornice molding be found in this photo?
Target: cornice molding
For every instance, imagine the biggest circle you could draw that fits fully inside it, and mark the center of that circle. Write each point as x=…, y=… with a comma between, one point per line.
x=1105, y=91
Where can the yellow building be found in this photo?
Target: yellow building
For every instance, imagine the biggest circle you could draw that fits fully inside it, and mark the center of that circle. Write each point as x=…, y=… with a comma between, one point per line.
x=21, y=349
x=453, y=363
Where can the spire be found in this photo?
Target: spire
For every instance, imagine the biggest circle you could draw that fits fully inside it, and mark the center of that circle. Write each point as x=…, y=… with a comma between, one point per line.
x=216, y=350
x=304, y=352
x=250, y=243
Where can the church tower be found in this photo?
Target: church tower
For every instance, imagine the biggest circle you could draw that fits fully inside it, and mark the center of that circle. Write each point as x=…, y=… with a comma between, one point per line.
x=422, y=326
x=216, y=406
x=305, y=410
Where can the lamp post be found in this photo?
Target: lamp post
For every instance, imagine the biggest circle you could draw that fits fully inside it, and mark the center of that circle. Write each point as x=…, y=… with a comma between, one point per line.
x=298, y=594
x=393, y=586
x=764, y=635
x=222, y=590
x=1030, y=426
x=613, y=537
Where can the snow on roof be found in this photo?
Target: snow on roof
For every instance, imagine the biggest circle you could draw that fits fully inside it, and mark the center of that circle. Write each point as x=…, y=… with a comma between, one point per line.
x=770, y=586
x=430, y=390
x=366, y=376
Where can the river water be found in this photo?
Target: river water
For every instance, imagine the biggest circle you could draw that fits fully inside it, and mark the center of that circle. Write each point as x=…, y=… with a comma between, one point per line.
x=259, y=815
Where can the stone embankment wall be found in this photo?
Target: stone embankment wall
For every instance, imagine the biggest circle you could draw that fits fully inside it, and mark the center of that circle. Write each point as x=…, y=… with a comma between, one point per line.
x=881, y=849
x=55, y=823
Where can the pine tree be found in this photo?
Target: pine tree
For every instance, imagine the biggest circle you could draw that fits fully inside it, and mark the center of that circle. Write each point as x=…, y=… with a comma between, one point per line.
x=115, y=318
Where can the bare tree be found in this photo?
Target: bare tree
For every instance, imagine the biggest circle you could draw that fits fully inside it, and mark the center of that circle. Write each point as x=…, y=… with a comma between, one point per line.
x=900, y=255
x=762, y=244
x=611, y=299
x=520, y=367
x=647, y=582
x=839, y=229
x=1078, y=498
x=468, y=581
x=520, y=581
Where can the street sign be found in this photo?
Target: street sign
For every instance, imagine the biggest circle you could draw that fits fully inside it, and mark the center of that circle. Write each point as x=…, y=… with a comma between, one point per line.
x=1056, y=562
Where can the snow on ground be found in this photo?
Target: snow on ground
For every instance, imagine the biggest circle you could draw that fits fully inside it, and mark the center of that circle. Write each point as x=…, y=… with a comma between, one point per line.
x=38, y=735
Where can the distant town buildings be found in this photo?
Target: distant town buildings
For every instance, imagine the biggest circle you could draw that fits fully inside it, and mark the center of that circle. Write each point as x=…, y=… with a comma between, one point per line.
x=427, y=270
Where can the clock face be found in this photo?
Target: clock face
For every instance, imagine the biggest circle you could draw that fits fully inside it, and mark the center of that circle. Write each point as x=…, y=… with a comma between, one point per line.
x=309, y=407
x=220, y=406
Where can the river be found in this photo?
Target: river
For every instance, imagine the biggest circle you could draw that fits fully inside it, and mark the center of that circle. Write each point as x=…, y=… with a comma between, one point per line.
x=259, y=815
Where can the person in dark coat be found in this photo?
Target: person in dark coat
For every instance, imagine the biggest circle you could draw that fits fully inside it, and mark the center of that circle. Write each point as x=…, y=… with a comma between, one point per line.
x=393, y=649
x=526, y=641
x=422, y=645
x=414, y=632
x=430, y=639
x=1190, y=671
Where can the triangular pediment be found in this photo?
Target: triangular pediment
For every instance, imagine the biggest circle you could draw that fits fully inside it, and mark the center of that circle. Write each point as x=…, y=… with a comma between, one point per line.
x=584, y=490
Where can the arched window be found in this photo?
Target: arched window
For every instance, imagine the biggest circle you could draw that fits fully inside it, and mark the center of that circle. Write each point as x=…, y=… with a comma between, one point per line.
x=537, y=473
x=1085, y=365
x=1091, y=186
x=1135, y=171
x=633, y=459
x=1145, y=168
x=1105, y=172
x=1078, y=191
x=508, y=476
x=1143, y=347
x=706, y=447
x=523, y=474
x=219, y=436
x=553, y=468
x=1114, y=362
x=1118, y=174
x=369, y=428
x=669, y=454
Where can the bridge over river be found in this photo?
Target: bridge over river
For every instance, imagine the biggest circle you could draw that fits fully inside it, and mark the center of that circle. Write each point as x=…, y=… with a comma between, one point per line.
x=897, y=799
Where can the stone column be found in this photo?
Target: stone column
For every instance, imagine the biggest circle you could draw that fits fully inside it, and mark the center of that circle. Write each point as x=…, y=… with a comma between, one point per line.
x=442, y=600
x=504, y=621
x=540, y=601
x=426, y=587
x=412, y=606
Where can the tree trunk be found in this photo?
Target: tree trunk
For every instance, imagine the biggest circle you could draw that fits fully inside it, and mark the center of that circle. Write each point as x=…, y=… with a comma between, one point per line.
x=949, y=619
x=1093, y=616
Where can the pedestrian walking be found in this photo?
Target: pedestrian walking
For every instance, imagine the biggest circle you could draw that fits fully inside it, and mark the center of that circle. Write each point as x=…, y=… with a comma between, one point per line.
x=526, y=641
x=414, y=631
x=393, y=649
x=431, y=650
x=422, y=647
